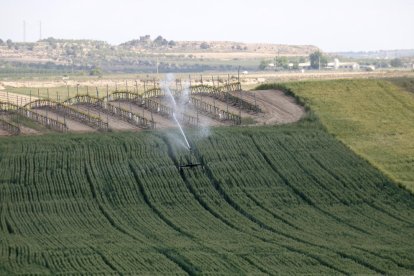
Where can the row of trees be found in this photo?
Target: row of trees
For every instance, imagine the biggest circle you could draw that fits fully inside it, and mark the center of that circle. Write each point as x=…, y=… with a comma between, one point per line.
x=8, y=42
x=318, y=60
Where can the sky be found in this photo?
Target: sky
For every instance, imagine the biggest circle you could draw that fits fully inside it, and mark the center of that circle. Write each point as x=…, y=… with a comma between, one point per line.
x=332, y=25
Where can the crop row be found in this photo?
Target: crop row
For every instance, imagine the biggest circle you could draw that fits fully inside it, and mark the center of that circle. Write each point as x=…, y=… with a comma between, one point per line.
x=288, y=199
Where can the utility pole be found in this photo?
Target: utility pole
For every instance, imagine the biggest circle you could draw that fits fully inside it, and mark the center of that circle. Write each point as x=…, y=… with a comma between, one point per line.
x=40, y=30
x=277, y=58
x=24, y=31
x=319, y=58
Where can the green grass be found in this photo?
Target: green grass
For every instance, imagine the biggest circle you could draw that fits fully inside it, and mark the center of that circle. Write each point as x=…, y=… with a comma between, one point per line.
x=288, y=199
x=373, y=117
x=406, y=83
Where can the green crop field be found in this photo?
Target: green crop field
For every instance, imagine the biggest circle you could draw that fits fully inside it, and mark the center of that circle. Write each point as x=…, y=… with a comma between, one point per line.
x=286, y=199
x=374, y=117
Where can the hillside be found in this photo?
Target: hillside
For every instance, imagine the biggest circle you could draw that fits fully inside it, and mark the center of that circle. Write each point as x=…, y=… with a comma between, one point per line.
x=287, y=199
x=373, y=117
x=140, y=55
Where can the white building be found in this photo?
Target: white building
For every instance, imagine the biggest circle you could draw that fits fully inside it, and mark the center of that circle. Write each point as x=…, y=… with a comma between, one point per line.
x=342, y=65
x=304, y=65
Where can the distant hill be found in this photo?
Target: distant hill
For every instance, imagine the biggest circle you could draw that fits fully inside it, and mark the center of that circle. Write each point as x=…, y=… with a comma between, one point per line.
x=164, y=45
x=143, y=54
x=377, y=54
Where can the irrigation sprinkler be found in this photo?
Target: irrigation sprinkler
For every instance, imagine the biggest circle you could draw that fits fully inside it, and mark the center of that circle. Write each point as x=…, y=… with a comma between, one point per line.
x=190, y=162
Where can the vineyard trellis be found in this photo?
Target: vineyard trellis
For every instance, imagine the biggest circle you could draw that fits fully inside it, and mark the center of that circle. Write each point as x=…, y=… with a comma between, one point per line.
x=218, y=92
x=223, y=93
x=69, y=112
x=32, y=115
x=215, y=112
x=149, y=103
x=147, y=100
x=9, y=127
x=166, y=111
x=113, y=110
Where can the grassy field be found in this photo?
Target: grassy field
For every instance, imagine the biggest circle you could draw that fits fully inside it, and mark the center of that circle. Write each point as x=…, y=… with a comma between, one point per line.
x=286, y=199
x=373, y=117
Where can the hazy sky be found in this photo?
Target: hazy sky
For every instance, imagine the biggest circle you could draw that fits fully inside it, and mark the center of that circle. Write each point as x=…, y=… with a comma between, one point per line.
x=329, y=24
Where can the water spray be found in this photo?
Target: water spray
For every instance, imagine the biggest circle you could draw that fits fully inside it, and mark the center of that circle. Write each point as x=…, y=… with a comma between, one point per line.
x=182, y=132
x=168, y=91
x=191, y=157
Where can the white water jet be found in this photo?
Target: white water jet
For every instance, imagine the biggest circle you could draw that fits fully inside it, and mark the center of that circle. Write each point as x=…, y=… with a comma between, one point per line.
x=182, y=131
x=166, y=88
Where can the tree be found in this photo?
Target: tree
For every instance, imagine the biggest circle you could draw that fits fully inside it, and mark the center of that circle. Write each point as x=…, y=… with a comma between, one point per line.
x=96, y=71
x=396, y=62
x=1, y=41
x=204, y=45
x=160, y=41
x=282, y=62
x=263, y=64
x=9, y=43
x=317, y=60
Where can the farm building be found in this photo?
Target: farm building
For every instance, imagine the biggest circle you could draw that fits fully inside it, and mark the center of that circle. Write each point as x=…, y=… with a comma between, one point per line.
x=343, y=65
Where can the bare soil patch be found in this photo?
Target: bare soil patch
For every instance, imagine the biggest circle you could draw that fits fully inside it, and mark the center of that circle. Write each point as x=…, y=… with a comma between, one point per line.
x=4, y=133
x=276, y=106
